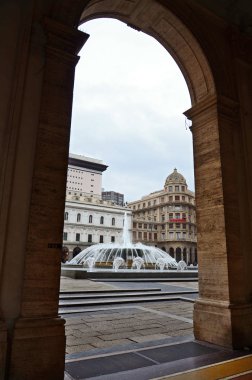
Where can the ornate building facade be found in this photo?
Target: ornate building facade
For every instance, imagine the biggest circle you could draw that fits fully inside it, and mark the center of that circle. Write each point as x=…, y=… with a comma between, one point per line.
x=89, y=220
x=167, y=219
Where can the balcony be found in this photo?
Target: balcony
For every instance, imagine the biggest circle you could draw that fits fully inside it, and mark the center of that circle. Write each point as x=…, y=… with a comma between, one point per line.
x=182, y=220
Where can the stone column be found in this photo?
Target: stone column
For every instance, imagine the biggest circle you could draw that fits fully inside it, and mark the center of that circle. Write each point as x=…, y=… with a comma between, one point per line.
x=36, y=347
x=223, y=312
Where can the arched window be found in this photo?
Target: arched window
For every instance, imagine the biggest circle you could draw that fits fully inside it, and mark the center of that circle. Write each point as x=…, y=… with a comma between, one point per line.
x=178, y=254
x=76, y=251
x=113, y=221
x=66, y=216
x=171, y=252
x=78, y=217
x=101, y=219
x=90, y=219
x=184, y=254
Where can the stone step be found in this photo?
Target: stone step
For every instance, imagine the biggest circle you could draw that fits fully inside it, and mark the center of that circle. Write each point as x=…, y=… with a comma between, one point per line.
x=125, y=294
x=108, y=291
x=77, y=307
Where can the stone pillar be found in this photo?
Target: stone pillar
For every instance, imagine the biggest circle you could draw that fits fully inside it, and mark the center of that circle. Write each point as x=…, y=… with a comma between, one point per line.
x=223, y=312
x=36, y=334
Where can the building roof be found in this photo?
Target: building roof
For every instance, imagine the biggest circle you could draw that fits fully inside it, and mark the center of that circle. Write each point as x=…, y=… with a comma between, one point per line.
x=86, y=162
x=175, y=177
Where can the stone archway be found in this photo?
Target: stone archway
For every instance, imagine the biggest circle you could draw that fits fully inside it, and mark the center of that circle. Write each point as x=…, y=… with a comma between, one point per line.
x=39, y=102
x=214, y=117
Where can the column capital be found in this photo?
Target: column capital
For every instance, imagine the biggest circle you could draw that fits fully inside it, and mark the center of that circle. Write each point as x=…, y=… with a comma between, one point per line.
x=62, y=39
x=213, y=106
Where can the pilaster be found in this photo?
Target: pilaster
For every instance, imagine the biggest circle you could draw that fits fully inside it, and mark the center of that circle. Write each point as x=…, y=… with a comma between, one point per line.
x=223, y=312
x=37, y=338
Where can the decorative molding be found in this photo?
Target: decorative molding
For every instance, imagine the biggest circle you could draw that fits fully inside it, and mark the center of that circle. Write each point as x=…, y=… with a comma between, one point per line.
x=62, y=40
x=213, y=106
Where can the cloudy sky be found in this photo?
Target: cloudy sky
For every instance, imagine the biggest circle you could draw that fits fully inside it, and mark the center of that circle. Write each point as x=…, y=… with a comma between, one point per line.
x=129, y=99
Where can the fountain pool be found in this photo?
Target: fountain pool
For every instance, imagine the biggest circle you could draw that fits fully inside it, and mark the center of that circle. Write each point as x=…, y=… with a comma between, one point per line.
x=125, y=255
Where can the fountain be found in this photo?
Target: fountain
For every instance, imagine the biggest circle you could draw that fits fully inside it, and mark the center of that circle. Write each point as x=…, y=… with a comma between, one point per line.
x=137, y=263
x=125, y=255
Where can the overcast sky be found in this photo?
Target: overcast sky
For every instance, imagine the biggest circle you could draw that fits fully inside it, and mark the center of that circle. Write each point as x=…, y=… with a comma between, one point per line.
x=129, y=100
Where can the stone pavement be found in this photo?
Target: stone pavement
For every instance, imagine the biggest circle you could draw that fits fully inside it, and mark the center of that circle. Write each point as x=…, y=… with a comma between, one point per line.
x=105, y=327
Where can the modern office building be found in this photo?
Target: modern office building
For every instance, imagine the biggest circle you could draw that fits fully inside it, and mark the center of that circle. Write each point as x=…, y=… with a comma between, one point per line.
x=84, y=175
x=167, y=219
x=113, y=196
x=89, y=219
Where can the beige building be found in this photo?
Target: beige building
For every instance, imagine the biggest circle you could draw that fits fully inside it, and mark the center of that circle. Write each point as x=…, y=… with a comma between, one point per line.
x=167, y=219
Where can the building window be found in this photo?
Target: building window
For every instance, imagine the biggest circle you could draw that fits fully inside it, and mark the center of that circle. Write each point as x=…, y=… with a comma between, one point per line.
x=149, y=203
x=177, y=215
x=177, y=197
x=163, y=218
x=150, y=236
x=145, y=235
x=170, y=189
x=143, y=204
x=176, y=188
x=112, y=239
x=77, y=237
x=90, y=220
x=66, y=216
x=183, y=198
x=170, y=198
x=140, y=235
x=78, y=217
x=171, y=215
x=155, y=236
x=89, y=238
x=101, y=219
x=113, y=221
x=134, y=224
x=177, y=225
x=182, y=188
x=101, y=238
x=145, y=226
x=170, y=225
x=163, y=226
x=65, y=236
x=139, y=225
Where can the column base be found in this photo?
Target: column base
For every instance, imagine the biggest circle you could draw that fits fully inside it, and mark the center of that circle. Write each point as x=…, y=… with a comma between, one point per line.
x=222, y=323
x=3, y=348
x=38, y=349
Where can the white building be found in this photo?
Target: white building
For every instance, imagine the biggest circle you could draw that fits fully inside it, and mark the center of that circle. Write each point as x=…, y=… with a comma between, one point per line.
x=89, y=219
x=84, y=175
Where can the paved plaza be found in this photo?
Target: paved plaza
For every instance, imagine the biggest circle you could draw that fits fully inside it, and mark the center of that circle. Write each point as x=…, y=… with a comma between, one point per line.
x=108, y=326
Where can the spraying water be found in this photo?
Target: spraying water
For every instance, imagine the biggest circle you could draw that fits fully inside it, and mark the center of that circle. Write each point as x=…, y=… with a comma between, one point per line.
x=124, y=255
